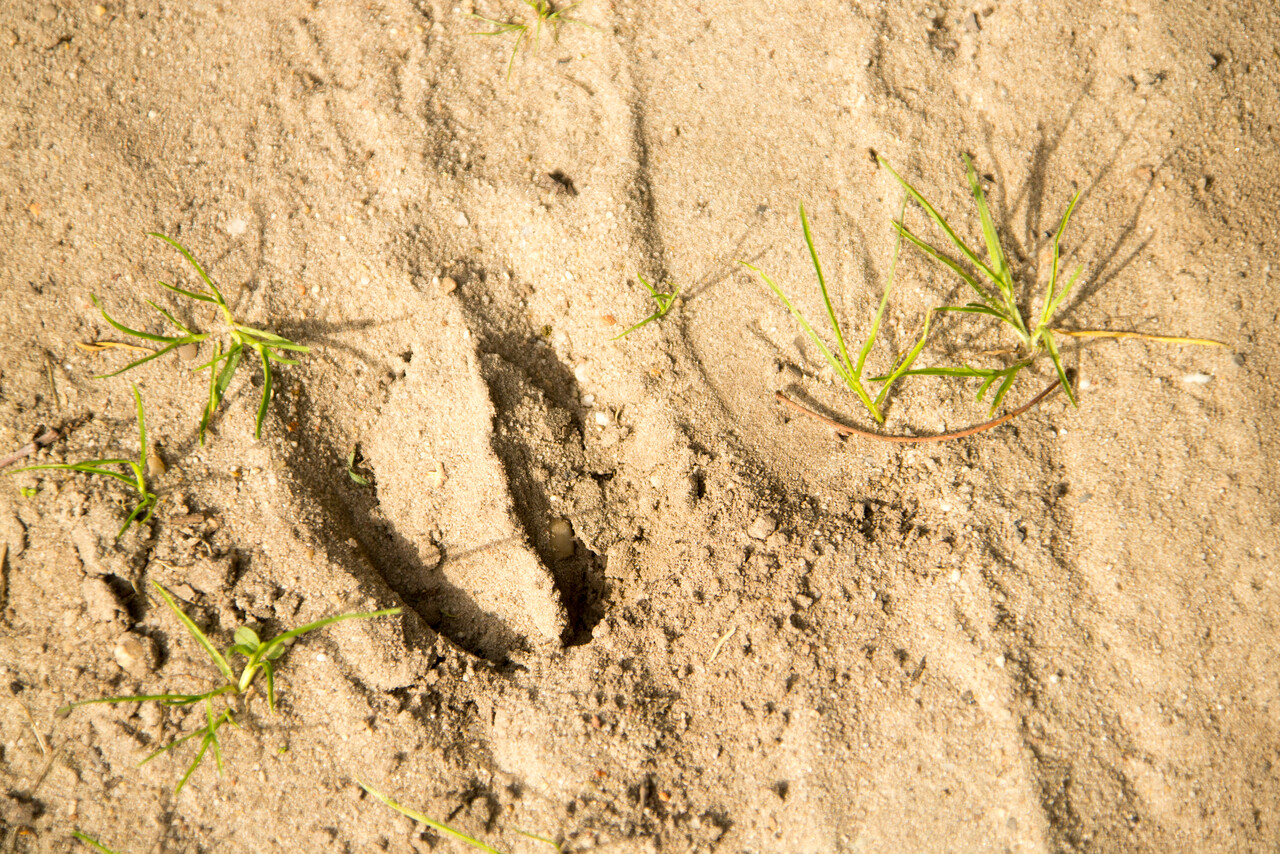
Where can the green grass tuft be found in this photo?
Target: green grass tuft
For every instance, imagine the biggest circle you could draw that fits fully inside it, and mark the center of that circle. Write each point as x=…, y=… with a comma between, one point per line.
x=228, y=349
x=259, y=656
x=545, y=14
x=849, y=371
x=147, y=499
x=664, y=299
x=996, y=290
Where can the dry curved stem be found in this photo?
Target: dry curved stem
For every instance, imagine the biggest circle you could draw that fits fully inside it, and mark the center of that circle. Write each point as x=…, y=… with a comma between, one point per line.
x=846, y=430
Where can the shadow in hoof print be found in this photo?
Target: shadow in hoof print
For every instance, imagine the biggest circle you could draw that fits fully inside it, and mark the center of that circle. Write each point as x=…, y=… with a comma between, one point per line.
x=482, y=487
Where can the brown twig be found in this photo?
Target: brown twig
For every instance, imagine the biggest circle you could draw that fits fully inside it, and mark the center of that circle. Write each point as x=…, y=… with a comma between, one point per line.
x=48, y=437
x=911, y=440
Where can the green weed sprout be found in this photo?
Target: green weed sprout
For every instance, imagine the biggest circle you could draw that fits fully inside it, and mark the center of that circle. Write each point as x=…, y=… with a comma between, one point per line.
x=429, y=822
x=846, y=369
x=995, y=288
x=138, y=482
x=92, y=843
x=259, y=656
x=444, y=828
x=222, y=367
x=664, y=300
x=544, y=13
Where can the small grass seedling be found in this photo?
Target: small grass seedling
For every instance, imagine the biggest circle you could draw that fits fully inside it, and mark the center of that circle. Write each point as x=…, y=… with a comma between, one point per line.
x=354, y=473
x=92, y=843
x=849, y=371
x=259, y=656
x=228, y=350
x=545, y=14
x=664, y=299
x=147, y=499
x=444, y=828
x=996, y=290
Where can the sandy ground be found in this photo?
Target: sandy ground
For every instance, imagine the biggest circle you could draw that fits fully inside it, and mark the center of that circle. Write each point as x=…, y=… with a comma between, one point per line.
x=1060, y=635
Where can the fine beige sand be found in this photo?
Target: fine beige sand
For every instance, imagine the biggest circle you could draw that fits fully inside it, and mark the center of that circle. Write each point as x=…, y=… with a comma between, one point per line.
x=646, y=607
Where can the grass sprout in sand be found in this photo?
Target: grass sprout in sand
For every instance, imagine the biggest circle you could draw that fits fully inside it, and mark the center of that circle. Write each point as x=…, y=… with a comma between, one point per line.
x=444, y=828
x=664, y=299
x=993, y=283
x=849, y=371
x=545, y=14
x=146, y=505
x=258, y=655
x=228, y=349
x=996, y=290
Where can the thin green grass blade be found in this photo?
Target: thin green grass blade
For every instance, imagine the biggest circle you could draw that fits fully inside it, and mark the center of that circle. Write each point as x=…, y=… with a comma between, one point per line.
x=1057, y=364
x=1003, y=389
x=1003, y=280
x=804, y=324
x=137, y=333
x=200, y=636
x=272, y=339
x=884, y=299
x=1049, y=303
x=80, y=467
x=129, y=367
x=195, y=763
x=948, y=263
x=169, y=317
x=1053, y=308
x=93, y=843
x=648, y=287
x=194, y=263
x=142, y=430
x=320, y=624
x=636, y=326
x=906, y=363
x=940, y=222
x=166, y=699
x=192, y=294
x=826, y=297
x=269, y=671
x=171, y=745
x=266, y=393
x=429, y=822
x=279, y=360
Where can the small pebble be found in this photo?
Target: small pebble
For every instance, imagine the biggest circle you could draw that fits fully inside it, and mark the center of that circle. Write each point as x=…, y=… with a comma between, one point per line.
x=1196, y=379
x=133, y=654
x=461, y=220
x=603, y=418
x=1000, y=660
x=237, y=226
x=155, y=465
x=561, y=539
x=762, y=527
x=436, y=476
x=581, y=372
x=34, y=208
x=447, y=285
x=588, y=399
x=99, y=10
x=189, y=352
x=48, y=12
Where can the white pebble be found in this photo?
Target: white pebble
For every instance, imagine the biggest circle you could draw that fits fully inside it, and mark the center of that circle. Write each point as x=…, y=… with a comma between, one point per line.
x=237, y=227
x=603, y=418
x=581, y=372
x=1000, y=660
x=588, y=399
x=1198, y=379
x=461, y=220
x=762, y=527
